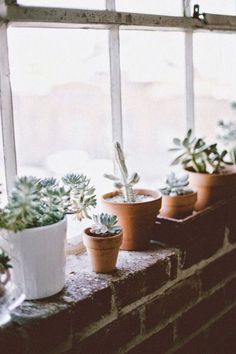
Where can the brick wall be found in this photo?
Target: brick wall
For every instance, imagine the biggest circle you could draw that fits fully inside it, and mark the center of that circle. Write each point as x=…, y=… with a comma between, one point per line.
x=177, y=298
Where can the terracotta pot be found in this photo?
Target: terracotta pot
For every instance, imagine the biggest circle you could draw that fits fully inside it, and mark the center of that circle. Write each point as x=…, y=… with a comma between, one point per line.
x=213, y=187
x=136, y=219
x=179, y=206
x=102, y=251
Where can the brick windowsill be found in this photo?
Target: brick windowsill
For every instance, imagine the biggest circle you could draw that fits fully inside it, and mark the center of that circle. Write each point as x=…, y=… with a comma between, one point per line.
x=93, y=305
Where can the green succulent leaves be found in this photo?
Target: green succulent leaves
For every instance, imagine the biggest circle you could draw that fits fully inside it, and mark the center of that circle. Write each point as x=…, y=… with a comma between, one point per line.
x=39, y=202
x=198, y=155
x=176, y=185
x=227, y=137
x=4, y=262
x=105, y=224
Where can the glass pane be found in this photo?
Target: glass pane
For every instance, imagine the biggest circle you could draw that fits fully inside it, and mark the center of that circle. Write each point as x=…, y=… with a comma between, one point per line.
x=73, y=4
x=153, y=99
x=167, y=7
x=216, y=7
x=3, y=195
x=61, y=96
x=215, y=81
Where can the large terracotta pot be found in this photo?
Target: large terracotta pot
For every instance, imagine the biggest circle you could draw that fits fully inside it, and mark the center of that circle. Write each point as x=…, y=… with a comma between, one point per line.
x=213, y=187
x=136, y=219
x=102, y=251
x=179, y=206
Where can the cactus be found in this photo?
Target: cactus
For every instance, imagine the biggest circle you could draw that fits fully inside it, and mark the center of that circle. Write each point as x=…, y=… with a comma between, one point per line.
x=126, y=182
x=176, y=186
x=105, y=224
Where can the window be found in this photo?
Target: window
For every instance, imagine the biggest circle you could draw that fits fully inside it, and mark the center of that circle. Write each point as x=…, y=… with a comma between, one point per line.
x=153, y=99
x=81, y=79
x=215, y=81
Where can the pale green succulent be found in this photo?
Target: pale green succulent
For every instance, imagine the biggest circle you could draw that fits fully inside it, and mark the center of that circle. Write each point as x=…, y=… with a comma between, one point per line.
x=227, y=136
x=105, y=224
x=37, y=202
x=124, y=183
x=176, y=185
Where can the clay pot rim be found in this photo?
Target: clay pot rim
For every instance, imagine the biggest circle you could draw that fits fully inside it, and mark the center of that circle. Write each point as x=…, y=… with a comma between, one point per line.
x=185, y=196
x=229, y=172
x=156, y=194
x=86, y=232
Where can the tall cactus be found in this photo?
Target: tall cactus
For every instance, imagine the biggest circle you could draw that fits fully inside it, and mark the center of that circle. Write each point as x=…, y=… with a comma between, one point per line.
x=126, y=182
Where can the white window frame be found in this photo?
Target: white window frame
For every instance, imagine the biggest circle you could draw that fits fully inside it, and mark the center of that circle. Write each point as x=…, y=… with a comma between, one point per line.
x=11, y=13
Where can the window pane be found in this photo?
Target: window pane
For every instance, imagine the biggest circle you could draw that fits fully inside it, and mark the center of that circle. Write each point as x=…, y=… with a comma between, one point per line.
x=153, y=99
x=61, y=96
x=167, y=7
x=216, y=7
x=76, y=4
x=3, y=194
x=215, y=81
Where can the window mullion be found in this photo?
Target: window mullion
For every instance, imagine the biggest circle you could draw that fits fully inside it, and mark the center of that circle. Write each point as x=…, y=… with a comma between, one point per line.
x=189, y=71
x=6, y=107
x=115, y=78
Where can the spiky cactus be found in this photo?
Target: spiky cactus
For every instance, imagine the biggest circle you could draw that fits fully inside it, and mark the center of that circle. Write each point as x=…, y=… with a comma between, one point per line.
x=125, y=182
x=105, y=224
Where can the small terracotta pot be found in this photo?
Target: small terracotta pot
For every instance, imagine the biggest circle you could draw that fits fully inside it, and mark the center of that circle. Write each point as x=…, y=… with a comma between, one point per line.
x=213, y=187
x=102, y=251
x=179, y=206
x=136, y=219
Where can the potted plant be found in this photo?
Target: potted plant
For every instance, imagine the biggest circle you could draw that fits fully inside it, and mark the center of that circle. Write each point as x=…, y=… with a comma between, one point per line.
x=136, y=208
x=103, y=241
x=210, y=174
x=227, y=136
x=36, y=229
x=177, y=199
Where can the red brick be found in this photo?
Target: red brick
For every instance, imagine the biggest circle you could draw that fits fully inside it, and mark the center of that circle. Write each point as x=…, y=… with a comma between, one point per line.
x=157, y=343
x=91, y=309
x=215, y=339
x=222, y=327
x=154, y=275
x=202, y=248
x=130, y=289
x=158, y=274
x=196, y=345
x=200, y=314
x=230, y=292
x=172, y=301
x=47, y=325
x=217, y=271
x=110, y=338
x=13, y=340
x=198, y=236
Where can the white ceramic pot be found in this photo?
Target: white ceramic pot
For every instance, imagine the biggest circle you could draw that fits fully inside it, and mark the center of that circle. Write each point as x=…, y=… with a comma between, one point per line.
x=38, y=258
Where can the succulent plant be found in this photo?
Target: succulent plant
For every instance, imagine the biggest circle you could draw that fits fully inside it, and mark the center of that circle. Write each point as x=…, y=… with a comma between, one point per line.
x=4, y=261
x=196, y=154
x=227, y=136
x=105, y=225
x=126, y=182
x=37, y=202
x=176, y=185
